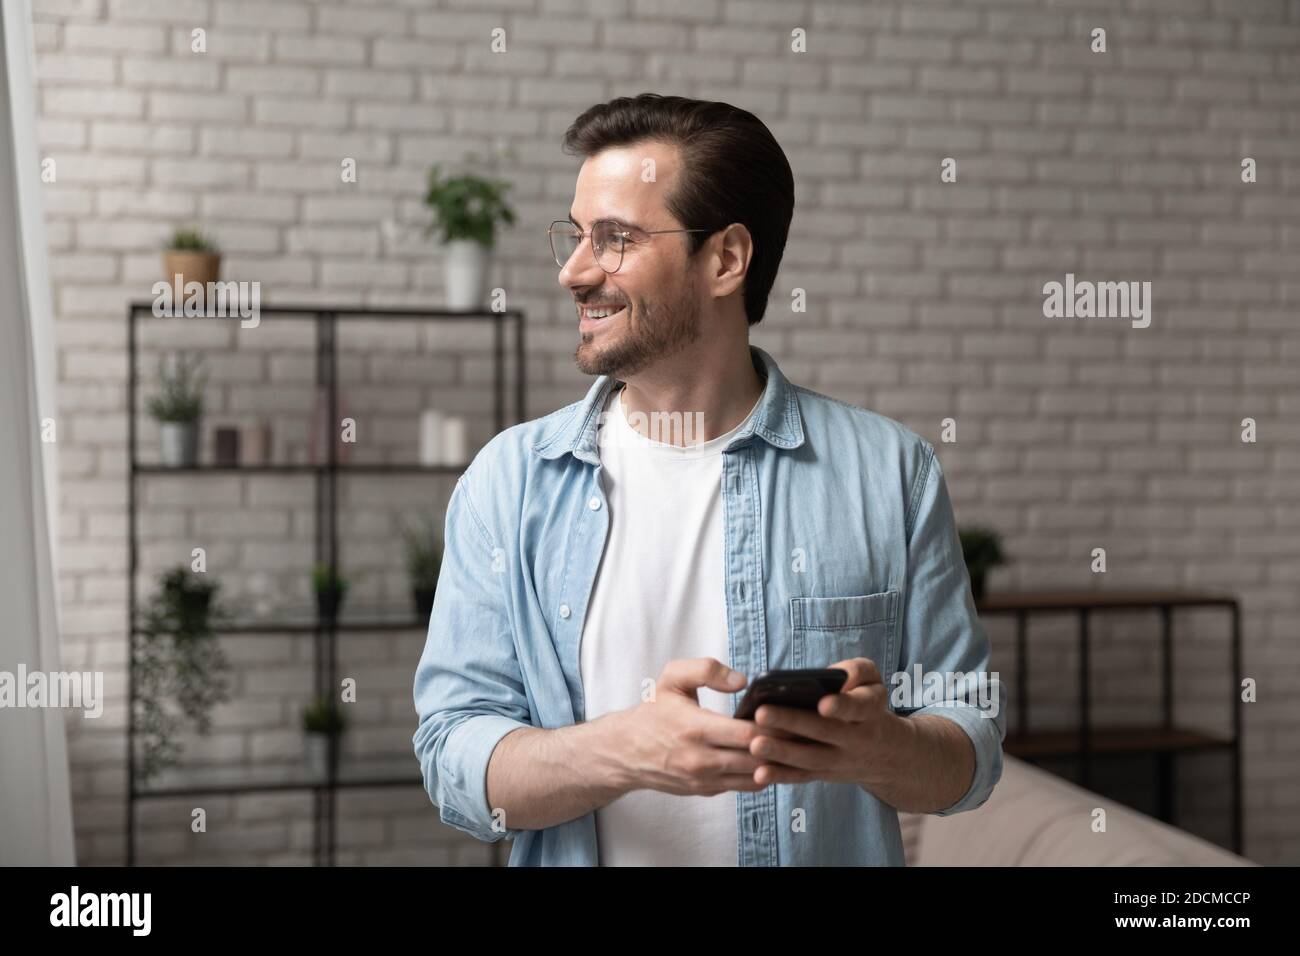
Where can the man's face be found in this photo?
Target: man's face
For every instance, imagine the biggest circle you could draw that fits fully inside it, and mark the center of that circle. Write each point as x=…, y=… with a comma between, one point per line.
x=654, y=291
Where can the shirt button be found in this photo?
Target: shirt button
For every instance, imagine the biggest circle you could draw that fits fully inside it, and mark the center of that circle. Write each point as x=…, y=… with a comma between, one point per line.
x=594, y=504
x=564, y=610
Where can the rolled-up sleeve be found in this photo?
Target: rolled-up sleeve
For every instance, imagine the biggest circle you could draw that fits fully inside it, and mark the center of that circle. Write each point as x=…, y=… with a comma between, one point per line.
x=941, y=632
x=469, y=690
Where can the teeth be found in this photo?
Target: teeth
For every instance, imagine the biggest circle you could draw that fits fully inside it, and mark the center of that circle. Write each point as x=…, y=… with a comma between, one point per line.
x=601, y=313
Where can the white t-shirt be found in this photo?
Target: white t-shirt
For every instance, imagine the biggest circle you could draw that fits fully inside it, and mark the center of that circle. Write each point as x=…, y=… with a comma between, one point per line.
x=658, y=596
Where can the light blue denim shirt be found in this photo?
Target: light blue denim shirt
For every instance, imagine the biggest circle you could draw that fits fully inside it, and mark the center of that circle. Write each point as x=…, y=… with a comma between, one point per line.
x=840, y=542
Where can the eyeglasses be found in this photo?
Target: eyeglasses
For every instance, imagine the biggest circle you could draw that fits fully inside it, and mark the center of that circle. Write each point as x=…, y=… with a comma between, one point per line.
x=609, y=240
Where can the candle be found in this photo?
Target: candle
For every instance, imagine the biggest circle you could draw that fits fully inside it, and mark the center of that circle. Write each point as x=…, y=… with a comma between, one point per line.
x=455, y=441
x=431, y=437
x=226, y=442
x=256, y=443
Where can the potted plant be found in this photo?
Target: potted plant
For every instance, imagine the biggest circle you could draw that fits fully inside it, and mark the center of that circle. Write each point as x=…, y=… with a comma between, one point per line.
x=423, y=562
x=322, y=724
x=466, y=211
x=330, y=587
x=190, y=256
x=177, y=408
x=982, y=550
x=177, y=658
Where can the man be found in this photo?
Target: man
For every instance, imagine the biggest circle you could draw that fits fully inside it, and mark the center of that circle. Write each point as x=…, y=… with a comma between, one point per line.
x=609, y=585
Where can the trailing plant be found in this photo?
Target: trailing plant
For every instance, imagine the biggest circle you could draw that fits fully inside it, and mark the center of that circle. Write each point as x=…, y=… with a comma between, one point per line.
x=177, y=659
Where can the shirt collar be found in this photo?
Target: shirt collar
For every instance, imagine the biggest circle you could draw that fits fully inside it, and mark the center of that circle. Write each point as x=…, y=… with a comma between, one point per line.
x=777, y=420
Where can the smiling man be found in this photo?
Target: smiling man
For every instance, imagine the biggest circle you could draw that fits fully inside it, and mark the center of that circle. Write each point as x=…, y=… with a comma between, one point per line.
x=608, y=586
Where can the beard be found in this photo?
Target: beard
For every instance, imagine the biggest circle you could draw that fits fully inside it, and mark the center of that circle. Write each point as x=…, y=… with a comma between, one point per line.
x=651, y=331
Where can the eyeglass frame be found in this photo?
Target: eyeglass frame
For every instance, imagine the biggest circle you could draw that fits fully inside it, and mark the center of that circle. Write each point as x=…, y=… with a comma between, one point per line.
x=587, y=235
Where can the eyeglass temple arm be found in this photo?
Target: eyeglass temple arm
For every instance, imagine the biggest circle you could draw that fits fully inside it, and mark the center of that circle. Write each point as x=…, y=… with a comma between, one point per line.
x=649, y=232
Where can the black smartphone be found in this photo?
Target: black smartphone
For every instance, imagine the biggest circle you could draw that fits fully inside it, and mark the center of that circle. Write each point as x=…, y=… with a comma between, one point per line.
x=801, y=688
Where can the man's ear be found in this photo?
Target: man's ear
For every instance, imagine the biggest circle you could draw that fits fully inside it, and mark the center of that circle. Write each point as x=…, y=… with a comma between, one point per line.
x=730, y=262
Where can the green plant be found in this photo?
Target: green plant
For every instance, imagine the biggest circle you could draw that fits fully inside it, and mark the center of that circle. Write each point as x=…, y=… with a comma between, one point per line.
x=326, y=579
x=467, y=207
x=424, y=552
x=177, y=658
x=181, y=396
x=323, y=716
x=982, y=549
x=191, y=240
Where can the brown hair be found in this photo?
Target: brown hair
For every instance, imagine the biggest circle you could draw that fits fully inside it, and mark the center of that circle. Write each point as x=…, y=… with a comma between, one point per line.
x=733, y=170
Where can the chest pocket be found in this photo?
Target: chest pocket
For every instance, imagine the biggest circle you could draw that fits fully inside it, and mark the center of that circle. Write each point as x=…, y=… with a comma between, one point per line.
x=831, y=629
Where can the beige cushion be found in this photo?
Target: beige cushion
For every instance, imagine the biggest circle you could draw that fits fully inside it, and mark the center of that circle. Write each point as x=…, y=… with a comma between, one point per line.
x=1035, y=818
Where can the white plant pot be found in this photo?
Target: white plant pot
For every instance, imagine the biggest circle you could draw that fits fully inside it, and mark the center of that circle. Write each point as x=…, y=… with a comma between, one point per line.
x=180, y=444
x=466, y=274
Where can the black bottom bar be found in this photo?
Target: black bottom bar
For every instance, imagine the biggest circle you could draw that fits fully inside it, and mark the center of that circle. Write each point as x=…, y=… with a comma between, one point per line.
x=928, y=909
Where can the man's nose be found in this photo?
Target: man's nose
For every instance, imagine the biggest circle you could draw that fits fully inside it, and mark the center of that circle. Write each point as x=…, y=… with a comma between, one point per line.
x=582, y=269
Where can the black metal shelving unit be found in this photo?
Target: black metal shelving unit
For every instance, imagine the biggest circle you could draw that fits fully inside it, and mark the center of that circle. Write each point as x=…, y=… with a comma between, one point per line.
x=361, y=774
x=1164, y=740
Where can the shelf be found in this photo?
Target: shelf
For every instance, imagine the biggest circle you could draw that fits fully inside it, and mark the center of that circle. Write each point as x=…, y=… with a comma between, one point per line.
x=1163, y=739
x=145, y=307
x=360, y=468
x=393, y=772
x=1113, y=740
x=397, y=617
x=264, y=778
x=1013, y=602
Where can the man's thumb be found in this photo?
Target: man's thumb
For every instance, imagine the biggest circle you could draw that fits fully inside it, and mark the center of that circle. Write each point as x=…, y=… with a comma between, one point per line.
x=687, y=675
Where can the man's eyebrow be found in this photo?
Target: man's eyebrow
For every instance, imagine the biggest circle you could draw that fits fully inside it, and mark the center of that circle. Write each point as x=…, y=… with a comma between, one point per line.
x=617, y=219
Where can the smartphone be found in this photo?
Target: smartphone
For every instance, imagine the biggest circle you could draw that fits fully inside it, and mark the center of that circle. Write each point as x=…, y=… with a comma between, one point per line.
x=801, y=688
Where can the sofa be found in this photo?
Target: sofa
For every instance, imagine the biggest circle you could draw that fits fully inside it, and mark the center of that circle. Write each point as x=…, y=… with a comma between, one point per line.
x=1034, y=818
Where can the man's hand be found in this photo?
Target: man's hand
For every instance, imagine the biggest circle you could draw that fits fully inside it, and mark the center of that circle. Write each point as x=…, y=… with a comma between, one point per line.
x=852, y=738
x=673, y=745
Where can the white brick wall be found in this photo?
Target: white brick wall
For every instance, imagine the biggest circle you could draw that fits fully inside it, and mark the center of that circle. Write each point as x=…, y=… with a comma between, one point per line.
x=923, y=304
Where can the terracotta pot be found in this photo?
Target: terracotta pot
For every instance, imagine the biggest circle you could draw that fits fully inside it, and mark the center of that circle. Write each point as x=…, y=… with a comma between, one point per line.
x=201, y=267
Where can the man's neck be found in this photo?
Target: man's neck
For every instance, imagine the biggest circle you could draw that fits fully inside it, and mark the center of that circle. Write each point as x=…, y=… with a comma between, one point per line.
x=716, y=396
